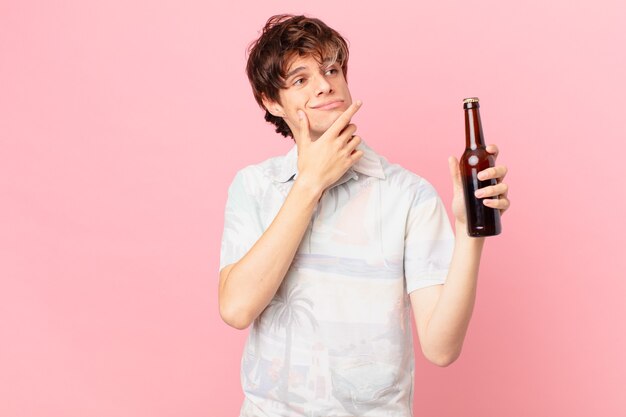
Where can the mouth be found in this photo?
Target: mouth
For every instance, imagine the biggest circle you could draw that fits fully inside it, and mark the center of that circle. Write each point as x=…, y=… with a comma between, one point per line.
x=330, y=105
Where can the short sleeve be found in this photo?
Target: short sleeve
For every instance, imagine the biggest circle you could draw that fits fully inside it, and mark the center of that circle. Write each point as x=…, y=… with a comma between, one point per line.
x=242, y=221
x=429, y=240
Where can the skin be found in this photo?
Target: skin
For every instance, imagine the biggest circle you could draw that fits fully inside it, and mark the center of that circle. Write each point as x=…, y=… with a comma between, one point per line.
x=309, y=87
x=326, y=149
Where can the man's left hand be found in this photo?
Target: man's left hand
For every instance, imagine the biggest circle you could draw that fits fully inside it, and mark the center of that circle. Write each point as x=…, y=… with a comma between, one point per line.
x=500, y=190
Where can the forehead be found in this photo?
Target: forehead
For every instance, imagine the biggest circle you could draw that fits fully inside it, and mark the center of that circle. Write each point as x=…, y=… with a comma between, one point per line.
x=304, y=62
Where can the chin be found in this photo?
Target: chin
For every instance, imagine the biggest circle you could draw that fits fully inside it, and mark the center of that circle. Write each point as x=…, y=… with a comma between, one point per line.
x=326, y=120
x=323, y=127
x=333, y=114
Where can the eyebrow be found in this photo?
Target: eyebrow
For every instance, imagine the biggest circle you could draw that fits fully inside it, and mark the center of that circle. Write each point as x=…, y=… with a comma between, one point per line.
x=299, y=69
x=294, y=72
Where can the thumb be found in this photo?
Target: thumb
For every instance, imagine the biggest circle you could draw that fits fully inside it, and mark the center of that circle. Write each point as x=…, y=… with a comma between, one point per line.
x=304, y=127
x=455, y=173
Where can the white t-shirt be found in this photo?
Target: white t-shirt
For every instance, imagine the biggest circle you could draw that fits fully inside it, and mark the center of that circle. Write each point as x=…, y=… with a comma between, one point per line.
x=336, y=339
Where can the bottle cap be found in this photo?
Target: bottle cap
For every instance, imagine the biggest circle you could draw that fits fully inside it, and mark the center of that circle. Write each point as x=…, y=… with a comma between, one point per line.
x=470, y=100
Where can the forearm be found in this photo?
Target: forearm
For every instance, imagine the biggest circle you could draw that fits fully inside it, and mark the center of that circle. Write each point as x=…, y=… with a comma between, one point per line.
x=451, y=316
x=253, y=281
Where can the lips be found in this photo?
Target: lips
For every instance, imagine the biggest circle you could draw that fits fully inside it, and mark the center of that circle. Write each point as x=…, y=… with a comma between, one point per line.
x=329, y=105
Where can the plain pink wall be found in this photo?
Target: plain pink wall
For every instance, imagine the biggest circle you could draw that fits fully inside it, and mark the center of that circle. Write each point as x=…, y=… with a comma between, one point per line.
x=122, y=124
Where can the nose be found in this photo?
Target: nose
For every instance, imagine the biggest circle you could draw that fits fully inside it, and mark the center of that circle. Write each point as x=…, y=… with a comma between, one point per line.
x=322, y=85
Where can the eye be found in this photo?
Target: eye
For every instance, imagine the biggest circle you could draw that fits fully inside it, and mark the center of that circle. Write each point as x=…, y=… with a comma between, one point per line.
x=333, y=70
x=299, y=81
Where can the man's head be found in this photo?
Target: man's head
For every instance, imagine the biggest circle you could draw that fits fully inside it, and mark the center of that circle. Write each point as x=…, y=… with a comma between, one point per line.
x=299, y=63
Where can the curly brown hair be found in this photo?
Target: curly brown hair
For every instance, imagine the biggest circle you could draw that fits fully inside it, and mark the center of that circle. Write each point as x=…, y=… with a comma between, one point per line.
x=284, y=37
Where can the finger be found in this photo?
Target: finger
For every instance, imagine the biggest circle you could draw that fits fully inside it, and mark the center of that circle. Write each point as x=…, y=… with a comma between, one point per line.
x=498, y=203
x=304, y=126
x=493, y=172
x=455, y=173
x=493, y=149
x=347, y=133
x=356, y=155
x=353, y=142
x=492, y=190
x=342, y=121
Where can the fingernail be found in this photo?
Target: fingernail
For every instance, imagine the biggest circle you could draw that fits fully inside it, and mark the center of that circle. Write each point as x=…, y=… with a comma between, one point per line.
x=358, y=103
x=481, y=175
x=479, y=193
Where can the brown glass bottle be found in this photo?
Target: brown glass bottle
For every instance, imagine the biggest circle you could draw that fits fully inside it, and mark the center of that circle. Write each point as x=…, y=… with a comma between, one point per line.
x=481, y=220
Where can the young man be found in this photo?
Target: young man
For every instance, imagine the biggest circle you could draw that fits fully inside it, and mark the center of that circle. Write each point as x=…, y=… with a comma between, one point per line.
x=327, y=249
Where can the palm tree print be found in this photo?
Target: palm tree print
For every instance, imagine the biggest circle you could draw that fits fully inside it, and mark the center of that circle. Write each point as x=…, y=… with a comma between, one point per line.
x=289, y=308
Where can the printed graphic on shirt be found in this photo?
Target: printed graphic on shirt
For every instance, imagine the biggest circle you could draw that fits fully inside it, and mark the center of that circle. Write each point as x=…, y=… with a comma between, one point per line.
x=336, y=338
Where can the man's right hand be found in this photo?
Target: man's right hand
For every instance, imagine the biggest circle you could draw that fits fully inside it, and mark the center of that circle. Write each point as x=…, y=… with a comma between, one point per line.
x=322, y=162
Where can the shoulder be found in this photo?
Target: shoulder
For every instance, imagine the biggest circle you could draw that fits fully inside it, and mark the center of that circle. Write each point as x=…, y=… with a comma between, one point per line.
x=260, y=174
x=401, y=179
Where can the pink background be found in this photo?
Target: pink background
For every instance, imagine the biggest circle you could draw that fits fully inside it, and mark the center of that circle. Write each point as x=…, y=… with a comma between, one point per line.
x=123, y=123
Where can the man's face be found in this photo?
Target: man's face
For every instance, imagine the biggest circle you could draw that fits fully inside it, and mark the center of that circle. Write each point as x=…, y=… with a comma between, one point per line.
x=311, y=88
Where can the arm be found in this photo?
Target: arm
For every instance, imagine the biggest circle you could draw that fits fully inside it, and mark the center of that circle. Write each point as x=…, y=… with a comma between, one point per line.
x=443, y=312
x=248, y=286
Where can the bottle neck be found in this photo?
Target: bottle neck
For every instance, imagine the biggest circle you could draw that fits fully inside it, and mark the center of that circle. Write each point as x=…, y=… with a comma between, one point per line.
x=473, y=129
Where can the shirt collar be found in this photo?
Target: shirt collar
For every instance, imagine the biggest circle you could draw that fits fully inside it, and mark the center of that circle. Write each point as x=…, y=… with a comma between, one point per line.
x=369, y=164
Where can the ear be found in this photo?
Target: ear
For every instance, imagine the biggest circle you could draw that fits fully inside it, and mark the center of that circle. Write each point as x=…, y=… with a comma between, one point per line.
x=273, y=107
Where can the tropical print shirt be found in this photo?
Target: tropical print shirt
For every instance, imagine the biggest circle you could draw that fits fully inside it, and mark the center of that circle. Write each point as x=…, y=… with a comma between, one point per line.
x=336, y=338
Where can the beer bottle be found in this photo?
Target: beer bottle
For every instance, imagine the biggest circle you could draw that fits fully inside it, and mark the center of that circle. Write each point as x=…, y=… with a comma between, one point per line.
x=481, y=220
